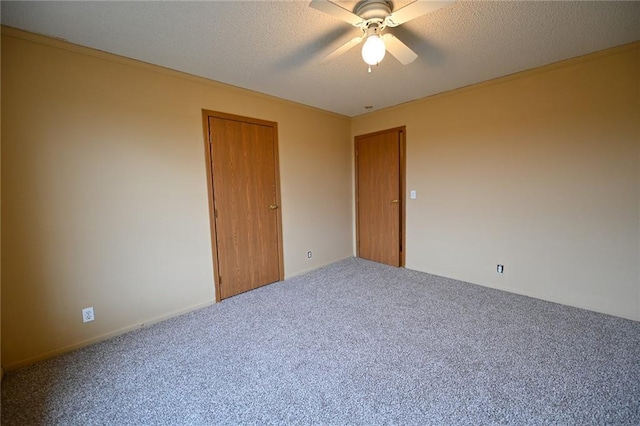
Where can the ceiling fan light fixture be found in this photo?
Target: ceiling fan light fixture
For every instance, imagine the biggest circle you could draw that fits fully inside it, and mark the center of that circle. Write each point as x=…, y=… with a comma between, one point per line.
x=373, y=50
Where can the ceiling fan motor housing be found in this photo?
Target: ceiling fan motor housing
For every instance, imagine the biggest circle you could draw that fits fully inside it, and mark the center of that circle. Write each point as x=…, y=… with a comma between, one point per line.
x=373, y=10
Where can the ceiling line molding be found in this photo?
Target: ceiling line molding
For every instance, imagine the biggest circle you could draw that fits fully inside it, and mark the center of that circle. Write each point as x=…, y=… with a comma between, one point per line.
x=58, y=43
x=98, y=54
x=566, y=63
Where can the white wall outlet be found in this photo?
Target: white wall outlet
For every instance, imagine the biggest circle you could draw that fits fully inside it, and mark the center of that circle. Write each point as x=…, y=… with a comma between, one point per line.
x=500, y=269
x=309, y=255
x=87, y=314
x=413, y=195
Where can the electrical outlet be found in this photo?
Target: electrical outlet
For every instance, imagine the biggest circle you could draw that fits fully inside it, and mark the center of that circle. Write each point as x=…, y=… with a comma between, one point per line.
x=87, y=314
x=500, y=269
x=309, y=255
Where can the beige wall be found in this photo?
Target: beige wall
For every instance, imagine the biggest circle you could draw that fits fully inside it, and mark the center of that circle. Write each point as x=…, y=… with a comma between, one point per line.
x=104, y=192
x=105, y=201
x=540, y=172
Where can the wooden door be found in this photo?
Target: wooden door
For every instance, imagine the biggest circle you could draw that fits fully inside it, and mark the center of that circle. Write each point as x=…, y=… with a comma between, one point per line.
x=380, y=196
x=244, y=190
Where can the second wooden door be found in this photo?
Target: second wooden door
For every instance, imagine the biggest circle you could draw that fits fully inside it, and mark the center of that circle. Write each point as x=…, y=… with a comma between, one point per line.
x=379, y=196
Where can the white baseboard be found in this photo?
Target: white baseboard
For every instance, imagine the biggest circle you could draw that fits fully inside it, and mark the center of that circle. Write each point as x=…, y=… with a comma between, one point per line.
x=103, y=337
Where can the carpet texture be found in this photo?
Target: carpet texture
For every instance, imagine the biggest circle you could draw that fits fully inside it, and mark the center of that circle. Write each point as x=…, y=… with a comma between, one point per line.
x=352, y=343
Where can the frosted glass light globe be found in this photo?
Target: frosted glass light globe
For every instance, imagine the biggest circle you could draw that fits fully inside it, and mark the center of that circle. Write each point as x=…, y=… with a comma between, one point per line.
x=373, y=50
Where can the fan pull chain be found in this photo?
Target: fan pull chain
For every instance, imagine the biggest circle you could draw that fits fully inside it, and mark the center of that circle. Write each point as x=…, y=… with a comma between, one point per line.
x=369, y=68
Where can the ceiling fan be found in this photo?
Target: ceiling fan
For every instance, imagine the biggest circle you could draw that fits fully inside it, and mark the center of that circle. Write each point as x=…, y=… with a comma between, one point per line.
x=372, y=17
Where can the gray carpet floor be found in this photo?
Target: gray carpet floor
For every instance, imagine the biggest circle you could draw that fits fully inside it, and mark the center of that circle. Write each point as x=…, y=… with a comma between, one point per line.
x=351, y=343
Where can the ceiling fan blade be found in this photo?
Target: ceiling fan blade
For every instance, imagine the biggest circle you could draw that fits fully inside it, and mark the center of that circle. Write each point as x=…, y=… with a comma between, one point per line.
x=414, y=10
x=342, y=49
x=336, y=11
x=398, y=49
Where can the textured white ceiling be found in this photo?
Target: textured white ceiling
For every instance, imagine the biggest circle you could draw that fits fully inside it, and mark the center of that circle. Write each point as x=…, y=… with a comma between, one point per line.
x=276, y=47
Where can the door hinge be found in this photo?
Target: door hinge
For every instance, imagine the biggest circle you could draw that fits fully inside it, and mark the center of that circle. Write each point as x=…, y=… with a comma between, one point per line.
x=215, y=213
x=219, y=280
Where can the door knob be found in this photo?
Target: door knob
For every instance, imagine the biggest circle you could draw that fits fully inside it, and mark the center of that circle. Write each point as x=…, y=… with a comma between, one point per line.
x=273, y=207
x=395, y=201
